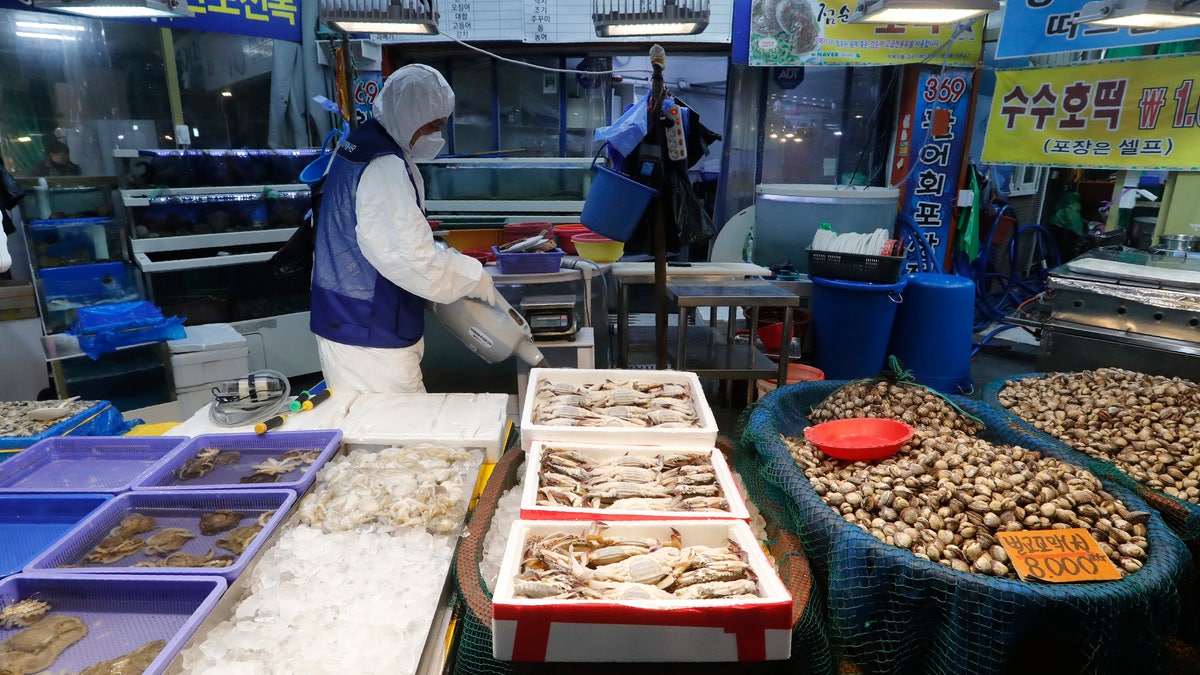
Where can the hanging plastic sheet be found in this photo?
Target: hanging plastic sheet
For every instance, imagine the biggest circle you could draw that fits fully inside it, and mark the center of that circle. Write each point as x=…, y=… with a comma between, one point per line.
x=628, y=131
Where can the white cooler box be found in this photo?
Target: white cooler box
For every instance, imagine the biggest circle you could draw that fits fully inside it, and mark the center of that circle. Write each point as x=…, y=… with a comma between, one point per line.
x=525, y=629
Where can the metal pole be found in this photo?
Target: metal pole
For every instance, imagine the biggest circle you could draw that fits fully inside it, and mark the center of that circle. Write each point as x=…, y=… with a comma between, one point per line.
x=658, y=61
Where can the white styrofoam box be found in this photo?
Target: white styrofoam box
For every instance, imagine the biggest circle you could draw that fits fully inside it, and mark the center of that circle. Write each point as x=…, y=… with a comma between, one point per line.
x=327, y=415
x=208, y=367
x=530, y=510
x=704, y=435
x=469, y=421
x=525, y=629
x=207, y=337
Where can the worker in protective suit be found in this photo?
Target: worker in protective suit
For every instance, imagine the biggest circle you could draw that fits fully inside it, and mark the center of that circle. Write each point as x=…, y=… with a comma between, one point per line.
x=375, y=263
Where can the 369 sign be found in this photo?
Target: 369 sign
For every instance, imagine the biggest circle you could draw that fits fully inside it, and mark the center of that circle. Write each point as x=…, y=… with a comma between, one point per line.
x=1057, y=556
x=944, y=90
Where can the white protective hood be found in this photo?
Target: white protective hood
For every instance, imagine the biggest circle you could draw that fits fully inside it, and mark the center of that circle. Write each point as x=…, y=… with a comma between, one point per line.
x=412, y=97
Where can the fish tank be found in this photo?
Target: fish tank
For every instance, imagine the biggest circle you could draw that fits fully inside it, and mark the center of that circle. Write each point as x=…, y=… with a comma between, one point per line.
x=177, y=215
x=141, y=169
x=75, y=241
x=507, y=179
x=67, y=197
x=64, y=290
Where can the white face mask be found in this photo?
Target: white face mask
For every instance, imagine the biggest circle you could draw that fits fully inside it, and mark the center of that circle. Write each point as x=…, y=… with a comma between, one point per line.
x=428, y=147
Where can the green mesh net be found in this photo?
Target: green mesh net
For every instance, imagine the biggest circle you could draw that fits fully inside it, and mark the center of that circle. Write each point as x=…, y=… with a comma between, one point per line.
x=1182, y=516
x=879, y=609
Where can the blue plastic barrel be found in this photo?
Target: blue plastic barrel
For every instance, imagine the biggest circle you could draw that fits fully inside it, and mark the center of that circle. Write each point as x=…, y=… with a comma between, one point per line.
x=852, y=322
x=932, y=335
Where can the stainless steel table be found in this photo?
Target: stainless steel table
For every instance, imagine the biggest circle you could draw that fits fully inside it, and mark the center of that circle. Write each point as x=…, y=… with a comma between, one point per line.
x=721, y=356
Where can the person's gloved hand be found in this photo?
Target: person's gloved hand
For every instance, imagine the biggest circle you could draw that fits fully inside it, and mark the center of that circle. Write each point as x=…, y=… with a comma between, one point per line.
x=485, y=290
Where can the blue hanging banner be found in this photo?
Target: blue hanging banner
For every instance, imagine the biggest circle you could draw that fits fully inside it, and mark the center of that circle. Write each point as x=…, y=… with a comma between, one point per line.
x=1033, y=27
x=274, y=19
x=930, y=146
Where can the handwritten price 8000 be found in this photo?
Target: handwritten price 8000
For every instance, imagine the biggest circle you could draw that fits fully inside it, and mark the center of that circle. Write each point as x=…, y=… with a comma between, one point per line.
x=1057, y=556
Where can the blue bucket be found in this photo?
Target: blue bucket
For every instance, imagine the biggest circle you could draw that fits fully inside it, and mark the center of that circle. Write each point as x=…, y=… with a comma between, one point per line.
x=614, y=203
x=852, y=323
x=932, y=335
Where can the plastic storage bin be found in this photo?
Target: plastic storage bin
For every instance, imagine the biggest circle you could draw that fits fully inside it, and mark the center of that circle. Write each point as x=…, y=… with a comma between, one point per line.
x=528, y=263
x=173, y=508
x=122, y=613
x=253, y=449
x=29, y=524
x=110, y=464
x=875, y=269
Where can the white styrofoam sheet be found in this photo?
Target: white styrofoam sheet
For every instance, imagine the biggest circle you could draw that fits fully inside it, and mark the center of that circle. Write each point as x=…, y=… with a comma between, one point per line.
x=704, y=435
x=207, y=337
x=327, y=415
x=530, y=510
x=579, y=630
x=458, y=420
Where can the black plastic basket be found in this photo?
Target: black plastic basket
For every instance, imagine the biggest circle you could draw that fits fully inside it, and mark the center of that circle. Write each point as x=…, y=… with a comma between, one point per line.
x=875, y=269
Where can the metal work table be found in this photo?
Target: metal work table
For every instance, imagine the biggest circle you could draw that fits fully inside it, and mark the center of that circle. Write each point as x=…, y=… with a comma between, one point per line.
x=628, y=274
x=723, y=357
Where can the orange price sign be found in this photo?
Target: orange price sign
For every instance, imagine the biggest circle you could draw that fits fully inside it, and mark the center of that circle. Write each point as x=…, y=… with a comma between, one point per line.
x=1057, y=556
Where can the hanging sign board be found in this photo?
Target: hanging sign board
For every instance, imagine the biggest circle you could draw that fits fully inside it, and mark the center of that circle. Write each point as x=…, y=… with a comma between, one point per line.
x=800, y=32
x=1057, y=556
x=1033, y=27
x=929, y=150
x=1133, y=114
x=274, y=19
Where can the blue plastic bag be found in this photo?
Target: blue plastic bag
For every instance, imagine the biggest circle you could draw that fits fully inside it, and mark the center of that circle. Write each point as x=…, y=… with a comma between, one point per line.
x=629, y=129
x=104, y=328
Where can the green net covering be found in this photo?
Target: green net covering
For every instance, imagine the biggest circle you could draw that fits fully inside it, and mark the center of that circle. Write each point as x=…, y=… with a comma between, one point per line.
x=879, y=609
x=1182, y=516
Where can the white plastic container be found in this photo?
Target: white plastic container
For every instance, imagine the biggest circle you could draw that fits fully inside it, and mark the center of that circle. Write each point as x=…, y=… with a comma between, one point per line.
x=524, y=629
x=702, y=436
x=210, y=366
x=530, y=510
x=469, y=421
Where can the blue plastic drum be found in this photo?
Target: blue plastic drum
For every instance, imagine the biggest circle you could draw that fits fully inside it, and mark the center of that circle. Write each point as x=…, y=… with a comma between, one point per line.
x=852, y=323
x=932, y=335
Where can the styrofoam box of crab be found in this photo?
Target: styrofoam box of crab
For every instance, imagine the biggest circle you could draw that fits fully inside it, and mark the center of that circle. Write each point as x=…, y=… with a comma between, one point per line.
x=574, y=426
x=628, y=503
x=644, y=630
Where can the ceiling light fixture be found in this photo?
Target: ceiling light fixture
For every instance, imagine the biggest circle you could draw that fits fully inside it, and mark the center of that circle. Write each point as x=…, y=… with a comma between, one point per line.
x=42, y=25
x=46, y=36
x=621, y=18
x=119, y=9
x=922, y=11
x=400, y=17
x=1142, y=13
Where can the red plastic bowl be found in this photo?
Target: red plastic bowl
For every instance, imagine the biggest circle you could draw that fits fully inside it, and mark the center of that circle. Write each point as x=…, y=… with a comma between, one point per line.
x=859, y=438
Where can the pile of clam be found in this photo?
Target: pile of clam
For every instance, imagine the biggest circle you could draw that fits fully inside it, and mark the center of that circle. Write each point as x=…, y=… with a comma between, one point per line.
x=1147, y=426
x=946, y=495
x=909, y=403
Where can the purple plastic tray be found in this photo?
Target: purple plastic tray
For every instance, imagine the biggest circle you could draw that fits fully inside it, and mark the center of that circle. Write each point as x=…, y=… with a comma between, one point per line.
x=85, y=463
x=122, y=612
x=254, y=448
x=170, y=508
x=31, y=523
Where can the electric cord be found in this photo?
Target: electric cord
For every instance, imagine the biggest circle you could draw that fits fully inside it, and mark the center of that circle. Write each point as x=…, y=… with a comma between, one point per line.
x=259, y=396
x=547, y=69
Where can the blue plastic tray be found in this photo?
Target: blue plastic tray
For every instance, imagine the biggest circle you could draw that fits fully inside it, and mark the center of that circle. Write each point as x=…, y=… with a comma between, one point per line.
x=100, y=419
x=254, y=449
x=170, y=508
x=85, y=463
x=29, y=524
x=122, y=612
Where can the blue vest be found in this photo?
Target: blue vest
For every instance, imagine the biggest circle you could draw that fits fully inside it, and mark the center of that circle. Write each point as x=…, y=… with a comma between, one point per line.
x=352, y=303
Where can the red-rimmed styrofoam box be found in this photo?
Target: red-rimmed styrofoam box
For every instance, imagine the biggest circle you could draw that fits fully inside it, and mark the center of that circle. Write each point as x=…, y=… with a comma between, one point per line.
x=702, y=435
x=579, y=630
x=530, y=510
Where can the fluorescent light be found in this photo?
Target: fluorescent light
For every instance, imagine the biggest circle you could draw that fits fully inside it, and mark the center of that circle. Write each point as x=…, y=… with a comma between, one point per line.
x=617, y=18
x=46, y=36
x=1140, y=14
x=24, y=139
x=396, y=27
x=652, y=29
x=1150, y=21
x=401, y=17
x=227, y=94
x=119, y=9
x=837, y=133
x=922, y=12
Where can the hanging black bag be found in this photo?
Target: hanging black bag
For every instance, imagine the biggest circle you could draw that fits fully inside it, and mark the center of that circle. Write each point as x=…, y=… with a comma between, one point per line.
x=292, y=264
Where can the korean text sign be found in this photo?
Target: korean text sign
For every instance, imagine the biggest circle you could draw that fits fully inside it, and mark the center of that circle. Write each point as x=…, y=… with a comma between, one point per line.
x=1057, y=556
x=1033, y=27
x=807, y=32
x=1134, y=114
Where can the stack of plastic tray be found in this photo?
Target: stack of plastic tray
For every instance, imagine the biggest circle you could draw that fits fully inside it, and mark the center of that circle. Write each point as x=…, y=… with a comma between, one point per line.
x=85, y=463
x=29, y=524
x=169, y=509
x=252, y=449
x=122, y=613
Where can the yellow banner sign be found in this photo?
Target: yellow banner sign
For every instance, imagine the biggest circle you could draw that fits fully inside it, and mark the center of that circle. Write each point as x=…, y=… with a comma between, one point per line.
x=1057, y=556
x=1134, y=114
x=804, y=32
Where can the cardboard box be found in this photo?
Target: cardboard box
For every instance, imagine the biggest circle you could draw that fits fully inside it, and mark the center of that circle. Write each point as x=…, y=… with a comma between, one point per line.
x=530, y=510
x=525, y=629
x=702, y=436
